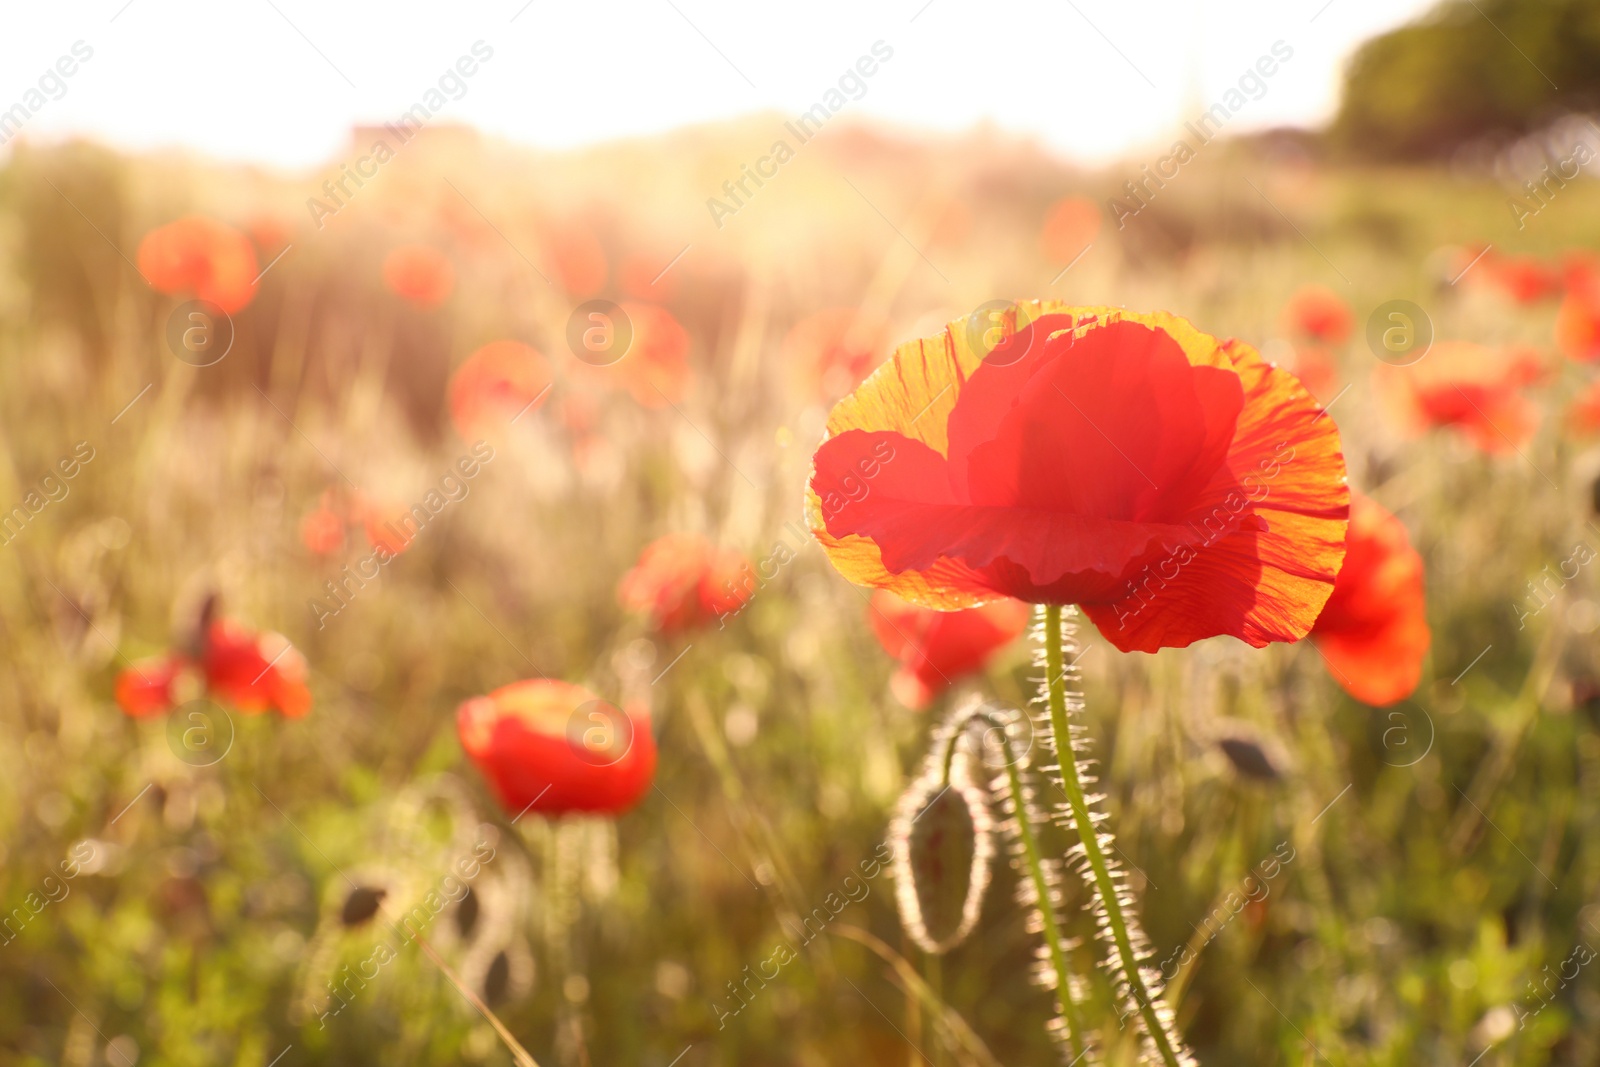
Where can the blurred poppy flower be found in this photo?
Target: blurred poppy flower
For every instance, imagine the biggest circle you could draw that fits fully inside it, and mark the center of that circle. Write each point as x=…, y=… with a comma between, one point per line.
x=1318, y=313
x=467, y=228
x=1583, y=414
x=1579, y=268
x=1578, y=319
x=388, y=529
x=270, y=232
x=1070, y=225
x=580, y=415
x=203, y=257
x=420, y=274
x=555, y=747
x=1523, y=278
x=579, y=260
x=1470, y=387
x=496, y=384
x=1374, y=630
x=1524, y=365
x=937, y=647
x=683, y=581
x=656, y=367
x=233, y=664
x=1175, y=486
x=1317, y=371
x=322, y=530
x=1459, y=261
x=326, y=527
x=832, y=350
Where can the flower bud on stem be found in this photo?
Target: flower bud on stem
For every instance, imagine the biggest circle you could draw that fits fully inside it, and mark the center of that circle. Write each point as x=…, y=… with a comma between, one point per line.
x=1025, y=830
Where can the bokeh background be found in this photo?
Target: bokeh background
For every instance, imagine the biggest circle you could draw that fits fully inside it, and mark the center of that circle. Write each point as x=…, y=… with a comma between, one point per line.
x=1444, y=850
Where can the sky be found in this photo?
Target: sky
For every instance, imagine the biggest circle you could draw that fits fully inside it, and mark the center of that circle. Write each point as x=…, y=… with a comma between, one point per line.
x=280, y=82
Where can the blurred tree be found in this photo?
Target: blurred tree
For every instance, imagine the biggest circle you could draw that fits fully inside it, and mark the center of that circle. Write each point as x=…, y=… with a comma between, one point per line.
x=1469, y=69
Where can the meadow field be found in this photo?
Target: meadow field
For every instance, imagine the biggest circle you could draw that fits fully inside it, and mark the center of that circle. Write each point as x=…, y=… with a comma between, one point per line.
x=1331, y=882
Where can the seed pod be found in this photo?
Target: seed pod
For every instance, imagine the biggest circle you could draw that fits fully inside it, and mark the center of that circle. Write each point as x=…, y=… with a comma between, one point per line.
x=361, y=905
x=943, y=842
x=467, y=914
x=1249, y=758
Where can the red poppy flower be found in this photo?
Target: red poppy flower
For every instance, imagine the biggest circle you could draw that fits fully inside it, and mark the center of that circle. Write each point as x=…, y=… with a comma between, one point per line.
x=322, y=530
x=1583, y=414
x=1317, y=371
x=1460, y=261
x=683, y=581
x=656, y=367
x=580, y=261
x=270, y=232
x=252, y=671
x=1176, y=486
x=388, y=529
x=1523, y=278
x=580, y=415
x=1374, y=630
x=1317, y=312
x=937, y=647
x=420, y=274
x=1579, y=268
x=496, y=384
x=1578, y=319
x=1469, y=387
x=202, y=257
x=1524, y=364
x=1069, y=227
x=554, y=747
x=146, y=688
x=833, y=350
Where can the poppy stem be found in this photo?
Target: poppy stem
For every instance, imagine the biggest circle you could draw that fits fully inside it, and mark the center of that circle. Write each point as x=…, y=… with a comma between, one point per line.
x=1118, y=928
x=1033, y=857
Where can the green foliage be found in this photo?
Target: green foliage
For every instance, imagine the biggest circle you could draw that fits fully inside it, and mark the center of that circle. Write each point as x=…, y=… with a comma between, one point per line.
x=1469, y=70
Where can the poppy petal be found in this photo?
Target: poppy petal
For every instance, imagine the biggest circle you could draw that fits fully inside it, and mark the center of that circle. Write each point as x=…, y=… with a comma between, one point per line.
x=1261, y=584
x=145, y=688
x=1374, y=633
x=937, y=647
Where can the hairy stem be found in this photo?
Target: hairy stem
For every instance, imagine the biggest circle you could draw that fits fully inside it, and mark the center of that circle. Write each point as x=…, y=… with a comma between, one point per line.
x=1102, y=883
x=1027, y=834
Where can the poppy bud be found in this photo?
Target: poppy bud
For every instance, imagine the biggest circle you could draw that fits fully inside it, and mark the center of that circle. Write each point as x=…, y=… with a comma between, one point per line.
x=943, y=842
x=467, y=913
x=1249, y=758
x=361, y=905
